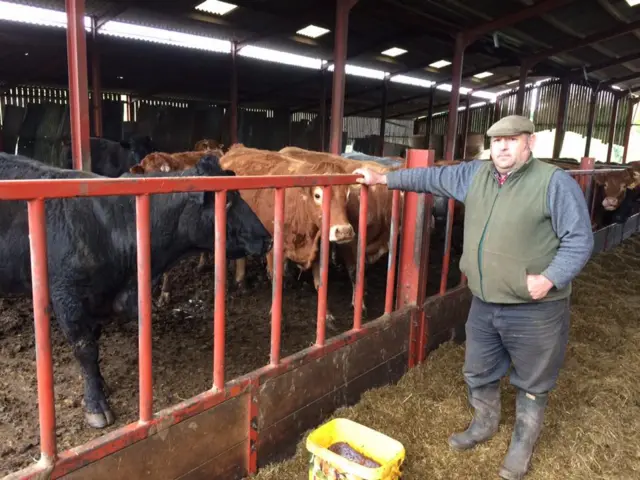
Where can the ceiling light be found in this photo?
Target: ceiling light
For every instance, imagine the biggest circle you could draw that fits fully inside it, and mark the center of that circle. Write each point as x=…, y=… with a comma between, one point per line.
x=394, y=52
x=483, y=75
x=215, y=7
x=440, y=64
x=633, y=3
x=312, y=31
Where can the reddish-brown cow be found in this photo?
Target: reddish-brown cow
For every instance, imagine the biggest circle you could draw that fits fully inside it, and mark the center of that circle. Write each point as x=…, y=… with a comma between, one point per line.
x=303, y=206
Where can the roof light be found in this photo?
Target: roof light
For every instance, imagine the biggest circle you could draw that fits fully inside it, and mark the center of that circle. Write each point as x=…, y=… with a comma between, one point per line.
x=277, y=56
x=483, y=75
x=416, y=82
x=361, y=71
x=312, y=31
x=37, y=16
x=440, y=64
x=216, y=7
x=633, y=3
x=394, y=51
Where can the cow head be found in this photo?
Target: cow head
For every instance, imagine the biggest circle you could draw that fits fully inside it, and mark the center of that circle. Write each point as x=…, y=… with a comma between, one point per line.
x=139, y=146
x=245, y=233
x=340, y=230
x=615, y=185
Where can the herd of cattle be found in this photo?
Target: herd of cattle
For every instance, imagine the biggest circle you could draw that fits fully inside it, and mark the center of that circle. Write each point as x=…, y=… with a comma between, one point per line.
x=92, y=241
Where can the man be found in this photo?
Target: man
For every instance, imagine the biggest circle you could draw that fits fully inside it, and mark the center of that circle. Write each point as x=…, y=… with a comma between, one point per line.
x=527, y=234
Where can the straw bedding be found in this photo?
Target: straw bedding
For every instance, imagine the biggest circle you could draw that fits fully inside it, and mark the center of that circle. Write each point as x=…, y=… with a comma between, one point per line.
x=592, y=424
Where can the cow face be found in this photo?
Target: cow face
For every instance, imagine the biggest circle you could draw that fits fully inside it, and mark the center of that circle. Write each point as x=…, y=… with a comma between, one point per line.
x=245, y=233
x=340, y=230
x=139, y=146
x=615, y=185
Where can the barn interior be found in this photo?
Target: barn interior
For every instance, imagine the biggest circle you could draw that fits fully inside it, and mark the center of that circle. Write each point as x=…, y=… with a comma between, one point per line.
x=260, y=73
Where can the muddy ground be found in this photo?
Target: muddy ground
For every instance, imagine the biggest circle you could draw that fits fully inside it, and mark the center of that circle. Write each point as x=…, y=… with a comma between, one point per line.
x=182, y=348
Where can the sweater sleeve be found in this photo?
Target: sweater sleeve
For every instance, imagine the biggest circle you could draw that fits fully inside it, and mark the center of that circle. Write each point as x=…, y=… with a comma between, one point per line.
x=571, y=221
x=447, y=181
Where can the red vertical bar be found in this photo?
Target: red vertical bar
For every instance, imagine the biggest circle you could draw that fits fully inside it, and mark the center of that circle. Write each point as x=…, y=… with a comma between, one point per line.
x=456, y=80
x=252, y=468
x=612, y=126
x=586, y=163
x=410, y=253
x=220, y=284
x=393, y=248
x=362, y=255
x=446, y=258
x=627, y=128
x=278, y=263
x=41, y=318
x=233, y=109
x=78, y=85
x=145, y=363
x=95, y=80
x=339, y=64
x=324, y=267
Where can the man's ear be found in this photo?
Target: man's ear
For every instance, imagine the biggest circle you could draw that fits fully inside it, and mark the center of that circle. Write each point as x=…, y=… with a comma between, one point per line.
x=532, y=141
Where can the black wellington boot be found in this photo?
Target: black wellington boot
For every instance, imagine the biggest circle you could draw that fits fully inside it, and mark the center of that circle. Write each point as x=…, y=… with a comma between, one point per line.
x=529, y=416
x=486, y=418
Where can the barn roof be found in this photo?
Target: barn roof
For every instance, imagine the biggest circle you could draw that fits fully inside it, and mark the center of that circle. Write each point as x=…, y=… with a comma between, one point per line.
x=425, y=29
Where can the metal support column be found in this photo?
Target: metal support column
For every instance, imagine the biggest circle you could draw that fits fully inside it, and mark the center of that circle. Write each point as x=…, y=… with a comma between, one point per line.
x=627, y=128
x=612, y=127
x=522, y=86
x=429, y=119
x=78, y=85
x=383, y=117
x=465, y=130
x=561, y=119
x=323, y=111
x=456, y=80
x=592, y=114
x=233, y=94
x=95, y=80
x=339, y=61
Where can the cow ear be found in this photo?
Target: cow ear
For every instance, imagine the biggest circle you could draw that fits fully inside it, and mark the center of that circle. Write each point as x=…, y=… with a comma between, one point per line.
x=137, y=169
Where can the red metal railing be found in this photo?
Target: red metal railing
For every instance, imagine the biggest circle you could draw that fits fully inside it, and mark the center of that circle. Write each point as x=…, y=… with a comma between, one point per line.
x=35, y=192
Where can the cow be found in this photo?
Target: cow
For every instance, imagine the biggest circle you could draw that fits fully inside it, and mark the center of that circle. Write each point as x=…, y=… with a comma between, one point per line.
x=619, y=192
x=303, y=207
x=208, y=144
x=172, y=162
x=110, y=158
x=92, y=257
x=378, y=214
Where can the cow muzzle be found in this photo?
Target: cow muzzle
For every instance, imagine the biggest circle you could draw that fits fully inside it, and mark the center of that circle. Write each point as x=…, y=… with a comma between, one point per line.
x=341, y=233
x=610, y=203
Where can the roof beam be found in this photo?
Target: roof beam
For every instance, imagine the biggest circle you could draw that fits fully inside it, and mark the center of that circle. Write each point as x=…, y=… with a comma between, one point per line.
x=536, y=10
x=626, y=78
x=577, y=72
x=581, y=42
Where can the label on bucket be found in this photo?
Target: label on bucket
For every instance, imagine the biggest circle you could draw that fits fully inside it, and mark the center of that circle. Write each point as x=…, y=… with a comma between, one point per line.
x=321, y=469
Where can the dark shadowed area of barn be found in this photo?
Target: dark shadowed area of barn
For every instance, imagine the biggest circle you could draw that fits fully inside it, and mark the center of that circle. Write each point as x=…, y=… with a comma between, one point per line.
x=592, y=428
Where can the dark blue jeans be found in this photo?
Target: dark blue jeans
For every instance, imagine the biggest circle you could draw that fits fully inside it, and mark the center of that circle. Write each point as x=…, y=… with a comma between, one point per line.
x=530, y=337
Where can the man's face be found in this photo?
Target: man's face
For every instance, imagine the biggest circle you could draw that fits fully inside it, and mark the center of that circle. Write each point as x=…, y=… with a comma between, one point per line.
x=508, y=153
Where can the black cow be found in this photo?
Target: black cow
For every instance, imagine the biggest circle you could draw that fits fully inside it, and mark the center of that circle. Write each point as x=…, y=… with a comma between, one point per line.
x=113, y=159
x=92, y=252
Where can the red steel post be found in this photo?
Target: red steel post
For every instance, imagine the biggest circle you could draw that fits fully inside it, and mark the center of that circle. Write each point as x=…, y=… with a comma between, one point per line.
x=383, y=116
x=278, y=264
x=362, y=257
x=323, y=288
x=220, y=284
x=612, y=127
x=145, y=362
x=627, y=128
x=339, y=63
x=413, y=239
x=592, y=114
x=78, y=85
x=586, y=163
x=41, y=318
x=393, y=252
x=233, y=107
x=95, y=80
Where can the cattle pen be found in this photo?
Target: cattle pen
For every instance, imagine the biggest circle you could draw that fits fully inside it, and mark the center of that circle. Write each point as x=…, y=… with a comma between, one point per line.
x=224, y=382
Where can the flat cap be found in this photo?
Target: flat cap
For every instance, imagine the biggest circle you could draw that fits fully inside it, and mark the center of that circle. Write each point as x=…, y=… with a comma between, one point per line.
x=510, y=126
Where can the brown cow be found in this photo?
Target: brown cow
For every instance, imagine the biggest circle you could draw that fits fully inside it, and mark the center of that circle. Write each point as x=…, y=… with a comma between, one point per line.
x=208, y=144
x=169, y=162
x=303, y=206
x=378, y=212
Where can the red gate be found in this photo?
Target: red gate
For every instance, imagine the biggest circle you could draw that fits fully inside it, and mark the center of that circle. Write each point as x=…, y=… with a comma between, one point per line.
x=241, y=424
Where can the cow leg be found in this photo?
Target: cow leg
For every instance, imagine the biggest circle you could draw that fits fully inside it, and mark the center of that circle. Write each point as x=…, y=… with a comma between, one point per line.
x=315, y=268
x=348, y=254
x=202, y=264
x=240, y=274
x=165, y=292
x=83, y=336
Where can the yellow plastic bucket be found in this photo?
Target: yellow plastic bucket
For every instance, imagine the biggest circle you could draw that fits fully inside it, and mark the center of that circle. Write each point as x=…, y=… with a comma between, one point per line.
x=326, y=465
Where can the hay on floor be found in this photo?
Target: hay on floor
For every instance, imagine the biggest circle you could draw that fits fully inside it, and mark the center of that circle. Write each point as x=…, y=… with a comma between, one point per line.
x=592, y=425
